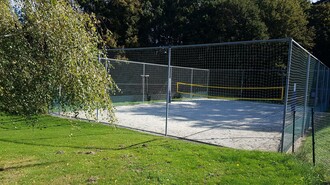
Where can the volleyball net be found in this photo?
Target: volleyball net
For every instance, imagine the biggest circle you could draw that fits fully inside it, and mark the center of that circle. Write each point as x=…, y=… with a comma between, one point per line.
x=231, y=93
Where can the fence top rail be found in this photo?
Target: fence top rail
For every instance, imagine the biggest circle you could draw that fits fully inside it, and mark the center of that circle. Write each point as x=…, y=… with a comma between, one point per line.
x=263, y=70
x=152, y=64
x=233, y=43
x=219, y=44
x=296, y=43
x=203, y=45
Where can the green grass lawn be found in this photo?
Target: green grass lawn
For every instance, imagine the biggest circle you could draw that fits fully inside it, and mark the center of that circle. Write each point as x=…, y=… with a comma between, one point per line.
x=322, y=150
x=60, y=151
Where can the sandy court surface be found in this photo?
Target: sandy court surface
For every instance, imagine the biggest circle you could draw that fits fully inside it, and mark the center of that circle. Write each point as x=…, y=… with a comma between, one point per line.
x=234, y=124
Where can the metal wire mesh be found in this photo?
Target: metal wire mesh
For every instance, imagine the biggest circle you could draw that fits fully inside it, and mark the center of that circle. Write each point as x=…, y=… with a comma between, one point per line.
x=248, y=95
x=139, y=82
x=296, y=95
x=228, y=94
x=186, y=82
x=239, y=71
x=320, y=155
x=307, y=87
x=322, y=139
x=240, y=106
x=140, y=74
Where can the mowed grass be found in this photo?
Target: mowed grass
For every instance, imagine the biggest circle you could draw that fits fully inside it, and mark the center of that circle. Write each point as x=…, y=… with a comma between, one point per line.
x=60, y=151
x=322, y=150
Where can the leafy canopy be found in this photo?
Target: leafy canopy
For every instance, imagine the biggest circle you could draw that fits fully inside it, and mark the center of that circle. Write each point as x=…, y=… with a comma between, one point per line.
x=287, y=19
x=54, y=48
x=320, y=21
x=119, y=16
x=167, y=22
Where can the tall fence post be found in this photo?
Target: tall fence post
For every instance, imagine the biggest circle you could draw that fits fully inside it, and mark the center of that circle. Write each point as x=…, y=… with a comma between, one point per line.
x=169, y=84
x=322, y=98
x=286, y=93
x=242, y=82
x=293, y=129
x=191, y=82
x=294, y=103
x=208, y=83
x=317, y=86
x=108, y=71
x=143, y=82
x=106, y=65
x=59, y=100
x=306, y=96
x=313, y=136
x=97, y=107
x=327, y=90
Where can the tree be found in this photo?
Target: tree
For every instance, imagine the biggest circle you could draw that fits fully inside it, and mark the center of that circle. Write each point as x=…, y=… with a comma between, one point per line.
x=54, y=48
x=118, y=16
x=286, y=19
x=163, y=22
x=199, y=21
x=224, y=21
x=320, y=21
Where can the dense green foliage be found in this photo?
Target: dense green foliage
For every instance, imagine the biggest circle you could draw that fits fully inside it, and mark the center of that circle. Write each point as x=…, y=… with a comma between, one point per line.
x=169, y=22
x=51, y=47
x=286, y=19
x=118, y=16
x=222, y=21
x=320, y=21
x=61, y=151
x=50, y=52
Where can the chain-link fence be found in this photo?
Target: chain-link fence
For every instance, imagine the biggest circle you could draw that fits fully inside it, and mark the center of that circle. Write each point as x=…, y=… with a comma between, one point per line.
x=307, y=87
x=316, y=148
x=227, y=94
x=320, y=142
x=147, y=82
x=247, y=95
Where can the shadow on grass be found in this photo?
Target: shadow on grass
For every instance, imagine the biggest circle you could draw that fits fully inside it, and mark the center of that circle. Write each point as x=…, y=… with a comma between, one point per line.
x=20, y=123
x=13, y=120
x=39, y=126
x=20, y=166
x=135, y=145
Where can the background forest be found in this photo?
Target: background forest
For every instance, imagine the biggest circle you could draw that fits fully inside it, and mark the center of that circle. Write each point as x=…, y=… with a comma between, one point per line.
x=48, y=48
x=136, y=23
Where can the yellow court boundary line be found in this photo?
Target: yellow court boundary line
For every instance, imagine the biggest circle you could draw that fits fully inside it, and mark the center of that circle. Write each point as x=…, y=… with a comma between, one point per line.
x=234, y=88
